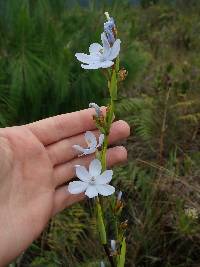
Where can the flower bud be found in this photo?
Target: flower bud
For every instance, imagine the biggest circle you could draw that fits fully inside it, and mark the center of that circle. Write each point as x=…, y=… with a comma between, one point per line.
x=97, y=109
x=110, y=29
x=192, y=213
x=113, y=245
x=122, y=74
x=119, y=204
x=124, y=225
x=119, y=196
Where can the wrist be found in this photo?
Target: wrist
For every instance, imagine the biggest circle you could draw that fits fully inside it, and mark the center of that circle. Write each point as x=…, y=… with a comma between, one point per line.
x=8, y=247
x=7, y=253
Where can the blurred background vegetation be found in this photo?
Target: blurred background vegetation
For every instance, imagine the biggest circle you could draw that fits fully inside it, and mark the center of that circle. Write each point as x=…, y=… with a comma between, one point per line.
x=39, y=77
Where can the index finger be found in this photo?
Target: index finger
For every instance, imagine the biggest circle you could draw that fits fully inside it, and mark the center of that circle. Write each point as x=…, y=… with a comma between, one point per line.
x=56, y=128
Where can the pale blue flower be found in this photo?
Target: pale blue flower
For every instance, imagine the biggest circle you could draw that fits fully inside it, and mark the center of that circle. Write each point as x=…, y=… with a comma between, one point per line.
x=91, y=141
x=109, y=28
x=92, y=182
x=102, y=264
x=100, y=56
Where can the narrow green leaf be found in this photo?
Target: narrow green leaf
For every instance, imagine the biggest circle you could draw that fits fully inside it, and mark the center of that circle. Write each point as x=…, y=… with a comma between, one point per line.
x=113, y=86
x=101, y=226
x=110, y=114
x=122, y=256
x=117, y=64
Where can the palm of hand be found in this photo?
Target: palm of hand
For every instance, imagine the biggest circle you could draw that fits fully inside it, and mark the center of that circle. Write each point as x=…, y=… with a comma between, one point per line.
x=29, y=181
x=34, y=166
x=27, y=188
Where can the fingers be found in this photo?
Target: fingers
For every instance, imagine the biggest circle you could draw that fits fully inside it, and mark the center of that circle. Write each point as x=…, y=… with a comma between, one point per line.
x=62, y=126
x=65, y=172
x=62, y=197
x=63, y=150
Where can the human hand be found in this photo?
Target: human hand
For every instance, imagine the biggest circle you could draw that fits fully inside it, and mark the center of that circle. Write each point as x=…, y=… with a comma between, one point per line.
x=35, y=161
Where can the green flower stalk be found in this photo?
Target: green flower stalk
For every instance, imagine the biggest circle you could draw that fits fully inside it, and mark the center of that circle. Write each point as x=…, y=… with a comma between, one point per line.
x=95, y=181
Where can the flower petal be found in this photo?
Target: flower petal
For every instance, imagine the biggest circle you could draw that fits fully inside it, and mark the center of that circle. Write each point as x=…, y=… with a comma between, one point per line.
x=87, y=58
x=79, y=148
x=91, y=191
x=105, y=42
x=101, y=139
x=95, y=168
x=95, y=48
x=90, y=139
x=110, y=36
x=106, y=46
x=105, y=189
x=77, y=187
x=106, y=64
x=114, y=50
x=88, y=151
x=91, y=66
x=105, y=177
x=82, y=173
x=85, y=151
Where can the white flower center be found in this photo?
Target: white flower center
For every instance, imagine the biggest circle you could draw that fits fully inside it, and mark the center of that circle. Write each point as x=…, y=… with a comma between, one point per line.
x=92, y=181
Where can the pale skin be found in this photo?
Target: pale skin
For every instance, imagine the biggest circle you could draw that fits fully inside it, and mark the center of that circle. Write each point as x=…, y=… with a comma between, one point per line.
x=36, y=160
